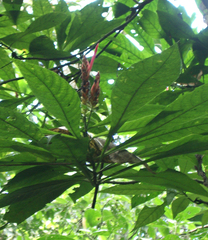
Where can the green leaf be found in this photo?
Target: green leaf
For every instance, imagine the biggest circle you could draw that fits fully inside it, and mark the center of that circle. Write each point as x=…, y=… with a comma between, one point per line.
x=18, y=161
x=83, y=189
x=74, y=150
x=15, y=125
x=6, y=68
x=171, y=237
x=41, y=7
x=10, y=146
x=61, y=29
x=133, y=189
x=188, y=213
x=205, y=218
x=19, y=40
x=13, y=103
x=189, y=144
x=148, y=215
x=144, y=116
x=119, y=9
x=179, y=205
x=4, y=94
x=13, y=8
x=34, y=175
x=142, y=82
x=166, y=97
x=43, y=46
x=93, y=217
x=88, y=26
x=186, y=109
x=150, y=24
x=169, y=179
x=6, y=20
x=166, y=6
x=55, y=237
x=55, y=94
x=175, y=27
x=12, y=5
x=26, y=201
x=141, y=37
x=45, y=22
x=130, y=53
x=142, y=198
x=122, y=50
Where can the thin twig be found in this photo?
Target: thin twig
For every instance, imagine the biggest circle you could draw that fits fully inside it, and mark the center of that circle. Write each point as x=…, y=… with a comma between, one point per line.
x=122, y=183
x=194, y=230
x=11, y=80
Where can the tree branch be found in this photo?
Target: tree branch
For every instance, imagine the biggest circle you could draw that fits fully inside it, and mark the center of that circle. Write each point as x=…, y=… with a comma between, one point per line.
x=11, y=80
x=200, y=172
x=122, y=183
x=194, y=230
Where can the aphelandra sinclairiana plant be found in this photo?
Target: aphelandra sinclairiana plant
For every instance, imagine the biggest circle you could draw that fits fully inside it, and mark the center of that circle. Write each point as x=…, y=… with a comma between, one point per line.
x=89, y=96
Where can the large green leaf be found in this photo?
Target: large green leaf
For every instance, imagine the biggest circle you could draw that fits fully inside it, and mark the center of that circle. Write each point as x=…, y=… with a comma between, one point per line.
x=150, y=23
x=166, y=6
x=140, y=83
x=41, y=7
x=6, y=68
x=19, y=40
x=61, y=29
x=19, y=161
x=15, y=125
x=26, y=201
x=122, y=50
x=130, y=53
x=148, y=215
x=141, y=37
x=88, y=26
x=142, y=198
x=133, y=189
x=13, y=8
x=10, y=146
x=157, y=139
x=14, y=102
x=34, y=175
x=182, y=117
x=43, y=46
x=175, y=27
x=6, y=20
x=84, y=188
x=189, y=144
x=12, y=5
x=74, y=150
x=145, y=115
x=4, y=94
x=55, y=94
x=179, y=205
x=46, y=21
x=169, y=178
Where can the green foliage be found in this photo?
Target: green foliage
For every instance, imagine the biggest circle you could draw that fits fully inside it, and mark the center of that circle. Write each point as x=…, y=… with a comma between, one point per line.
x=65, y=171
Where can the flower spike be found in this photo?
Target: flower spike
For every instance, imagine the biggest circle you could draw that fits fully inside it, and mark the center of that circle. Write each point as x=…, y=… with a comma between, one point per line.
x=93, y=57
x=95, y=90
